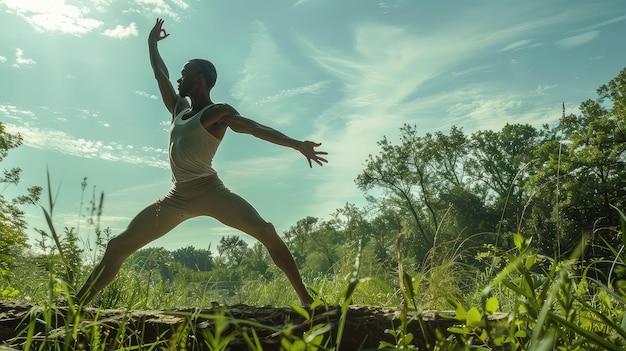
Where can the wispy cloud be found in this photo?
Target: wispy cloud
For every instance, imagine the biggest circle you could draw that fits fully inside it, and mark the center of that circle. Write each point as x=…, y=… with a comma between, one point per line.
x=269, y=76
x=3, y=59
x=158, y=8
x=13, y=112
x=520, y=44
x=315, y=88
x=121, y=32
x=56, y=140
x=181, y=4
x=383, y=83
x=20, y=60
x=577, y=40
x=147, y=95
x=542, y=89
x=300, y=2
x=53, y=16
x=605, y=23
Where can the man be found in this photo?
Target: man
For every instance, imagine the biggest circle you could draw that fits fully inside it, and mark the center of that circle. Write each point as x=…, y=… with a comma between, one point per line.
x=195, y=135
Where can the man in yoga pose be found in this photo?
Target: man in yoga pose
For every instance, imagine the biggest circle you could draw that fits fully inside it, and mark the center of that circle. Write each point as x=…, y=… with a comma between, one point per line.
x=195, y=134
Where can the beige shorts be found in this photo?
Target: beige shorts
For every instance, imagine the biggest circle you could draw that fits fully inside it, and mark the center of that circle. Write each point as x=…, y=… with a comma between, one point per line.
x=205, y=196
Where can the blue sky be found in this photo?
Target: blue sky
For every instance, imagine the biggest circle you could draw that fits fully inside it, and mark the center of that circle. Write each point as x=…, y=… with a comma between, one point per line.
x=77, y=85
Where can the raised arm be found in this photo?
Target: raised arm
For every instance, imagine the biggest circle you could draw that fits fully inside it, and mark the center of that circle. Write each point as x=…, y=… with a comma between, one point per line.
x=245, y=125
x=162, y=75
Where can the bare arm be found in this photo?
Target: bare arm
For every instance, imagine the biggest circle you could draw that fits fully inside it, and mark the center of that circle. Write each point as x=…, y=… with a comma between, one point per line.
x=241, y=124
x=162, y=75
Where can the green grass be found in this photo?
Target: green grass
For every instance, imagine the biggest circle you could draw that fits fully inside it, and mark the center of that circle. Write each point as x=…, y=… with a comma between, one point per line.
x=558, y=307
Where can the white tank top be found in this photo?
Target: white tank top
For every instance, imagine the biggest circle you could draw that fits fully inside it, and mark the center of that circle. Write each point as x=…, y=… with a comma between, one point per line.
x=191, y=147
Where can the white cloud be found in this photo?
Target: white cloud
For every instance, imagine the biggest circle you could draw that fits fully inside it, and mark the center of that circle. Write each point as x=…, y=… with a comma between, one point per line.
x=157, y=8
x=577, y=40
x=382, y=85
x=101, y=5
x=315, y=88
x=15, y=113
x=606, y=23
x=517, y=45
x=542, y=89
x=147, y=95
x=56, y=140
x=268, y=76
x=3, y=59
x=20, y=60
x=183, y=5
x=53, y=16
x=121, y=32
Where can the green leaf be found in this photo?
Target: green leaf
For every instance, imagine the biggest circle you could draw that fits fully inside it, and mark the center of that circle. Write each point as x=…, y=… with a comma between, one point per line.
x=492, y=305
x=474, y=318
x=521, y=334
x=518, y=240
x=385, y=345
x=459, y=330
x=459, y=311
x=301, y=311
x=530, y=261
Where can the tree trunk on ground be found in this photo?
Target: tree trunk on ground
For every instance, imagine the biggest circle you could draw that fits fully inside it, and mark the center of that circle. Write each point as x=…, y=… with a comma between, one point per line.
x=364, y=328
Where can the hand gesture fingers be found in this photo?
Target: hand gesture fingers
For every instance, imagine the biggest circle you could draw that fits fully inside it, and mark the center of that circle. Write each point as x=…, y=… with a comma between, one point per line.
x=158, y=33
x=308, y=150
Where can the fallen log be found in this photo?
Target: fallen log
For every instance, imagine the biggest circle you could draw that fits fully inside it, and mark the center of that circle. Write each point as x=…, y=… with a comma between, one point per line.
x=192, y=328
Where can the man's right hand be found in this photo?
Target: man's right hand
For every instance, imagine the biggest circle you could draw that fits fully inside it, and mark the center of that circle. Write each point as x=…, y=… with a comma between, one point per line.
x=157, y=33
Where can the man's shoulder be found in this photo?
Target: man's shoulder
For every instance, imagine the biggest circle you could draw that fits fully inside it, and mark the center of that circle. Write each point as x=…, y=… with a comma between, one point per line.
x=224, y=108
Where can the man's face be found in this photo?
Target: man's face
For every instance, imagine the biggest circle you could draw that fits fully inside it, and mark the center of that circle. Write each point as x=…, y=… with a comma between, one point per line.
x=188, y=79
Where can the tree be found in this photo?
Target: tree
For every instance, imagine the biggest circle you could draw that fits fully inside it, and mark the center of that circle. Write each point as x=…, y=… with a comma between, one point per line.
x=152, y=259
x=196, y=259
x=232, y=249
x=584, y=170
x=504, y=161
x=401, y=171
x=12, y=224
x=297, y=237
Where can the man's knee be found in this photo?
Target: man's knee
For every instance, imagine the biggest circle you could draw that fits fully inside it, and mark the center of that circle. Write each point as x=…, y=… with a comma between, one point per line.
x=267, y=234
x=118, y=247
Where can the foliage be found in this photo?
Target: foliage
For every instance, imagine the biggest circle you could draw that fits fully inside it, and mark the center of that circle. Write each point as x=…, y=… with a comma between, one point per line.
x=13, y=226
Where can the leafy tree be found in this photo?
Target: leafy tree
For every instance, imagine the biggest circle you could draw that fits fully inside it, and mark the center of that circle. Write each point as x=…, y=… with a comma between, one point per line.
x=384, y=230
x=504, y=161
x=421, y=174
x=232, y=250
x=12, y=224
x=401, y=170
x=154, y=259
x=297, y=237
x=583, y=172
x=257, y=262
x=193, y=258
x=352, y=223
x=317, y=245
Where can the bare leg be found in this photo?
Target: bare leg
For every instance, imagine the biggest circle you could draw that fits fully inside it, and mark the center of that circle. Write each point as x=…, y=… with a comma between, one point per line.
x=147, y=226
x=236, y=212
x=283, y=259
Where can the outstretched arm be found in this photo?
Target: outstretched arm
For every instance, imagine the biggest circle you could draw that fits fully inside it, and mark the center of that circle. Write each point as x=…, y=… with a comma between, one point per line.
x=162, y=75
x=241, y=124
